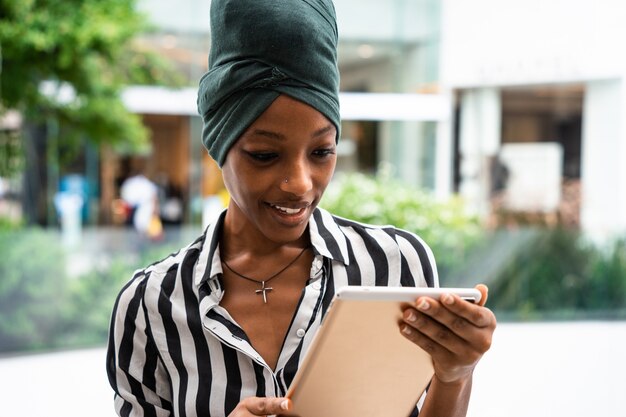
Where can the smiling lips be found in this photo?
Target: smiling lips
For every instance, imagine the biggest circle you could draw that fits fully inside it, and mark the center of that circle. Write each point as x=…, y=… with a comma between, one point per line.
x=287, y=210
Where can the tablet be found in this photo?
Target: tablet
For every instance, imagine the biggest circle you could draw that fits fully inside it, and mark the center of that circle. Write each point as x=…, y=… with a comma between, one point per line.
x=359, y=364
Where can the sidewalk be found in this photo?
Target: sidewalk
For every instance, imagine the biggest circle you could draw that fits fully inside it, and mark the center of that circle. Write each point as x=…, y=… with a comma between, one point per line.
x=541, y=369
x=570, y=369
x=64, y=384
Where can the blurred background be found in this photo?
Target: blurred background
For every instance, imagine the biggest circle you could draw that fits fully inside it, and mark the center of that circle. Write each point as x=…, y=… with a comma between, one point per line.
x=493, y=129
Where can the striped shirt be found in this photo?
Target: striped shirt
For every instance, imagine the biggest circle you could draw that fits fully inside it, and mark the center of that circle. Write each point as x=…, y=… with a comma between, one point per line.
x=174, y=351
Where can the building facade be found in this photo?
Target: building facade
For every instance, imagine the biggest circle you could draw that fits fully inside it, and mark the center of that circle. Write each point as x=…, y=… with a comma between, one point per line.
x=536, y=74
x=513, y=104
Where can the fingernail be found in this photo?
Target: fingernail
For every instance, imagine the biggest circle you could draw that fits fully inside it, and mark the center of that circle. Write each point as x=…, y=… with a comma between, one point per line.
x=447, y=299
x=410, y=316
x=285, y=405
x=406, y=330
x=423, y=305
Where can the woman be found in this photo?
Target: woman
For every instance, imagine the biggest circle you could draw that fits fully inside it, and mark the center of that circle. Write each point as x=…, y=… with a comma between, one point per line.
x=220, y=327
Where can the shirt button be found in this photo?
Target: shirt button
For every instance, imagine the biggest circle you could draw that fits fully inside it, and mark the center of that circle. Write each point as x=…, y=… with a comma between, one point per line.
x=318, y=263
x=300, y=332
x=316, y=286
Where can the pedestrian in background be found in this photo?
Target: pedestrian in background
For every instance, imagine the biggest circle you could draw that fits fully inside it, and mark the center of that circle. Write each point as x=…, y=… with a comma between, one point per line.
x=142, y=197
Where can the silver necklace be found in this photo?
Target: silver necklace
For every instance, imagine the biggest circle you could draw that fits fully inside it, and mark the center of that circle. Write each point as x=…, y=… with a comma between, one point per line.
x=264, y=289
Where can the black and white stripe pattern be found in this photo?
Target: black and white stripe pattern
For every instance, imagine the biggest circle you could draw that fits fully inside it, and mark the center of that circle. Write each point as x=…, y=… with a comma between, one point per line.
x=174, y=351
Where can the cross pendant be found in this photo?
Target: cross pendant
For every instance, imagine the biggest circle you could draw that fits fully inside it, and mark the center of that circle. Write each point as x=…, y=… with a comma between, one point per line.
x=263, y=290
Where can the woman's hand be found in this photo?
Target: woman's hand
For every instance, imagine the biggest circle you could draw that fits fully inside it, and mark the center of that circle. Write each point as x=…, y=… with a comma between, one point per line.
x=261, y=406
x=455, y=332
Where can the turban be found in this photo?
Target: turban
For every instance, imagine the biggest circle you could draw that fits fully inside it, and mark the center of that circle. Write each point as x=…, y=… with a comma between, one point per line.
x=261, y=49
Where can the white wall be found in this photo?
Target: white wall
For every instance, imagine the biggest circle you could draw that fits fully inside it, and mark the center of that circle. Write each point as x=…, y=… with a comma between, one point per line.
x=493, y=43
x=497, y=42
x=603, y=168
x=480, y=138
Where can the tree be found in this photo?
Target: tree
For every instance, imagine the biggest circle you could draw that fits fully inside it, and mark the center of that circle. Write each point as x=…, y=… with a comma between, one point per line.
x=63, y=64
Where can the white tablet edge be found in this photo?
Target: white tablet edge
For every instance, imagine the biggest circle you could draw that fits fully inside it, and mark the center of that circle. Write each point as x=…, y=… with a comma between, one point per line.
x=406, y=294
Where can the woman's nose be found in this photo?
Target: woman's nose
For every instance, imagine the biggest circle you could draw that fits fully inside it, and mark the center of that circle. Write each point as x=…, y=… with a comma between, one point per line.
x=297, y=179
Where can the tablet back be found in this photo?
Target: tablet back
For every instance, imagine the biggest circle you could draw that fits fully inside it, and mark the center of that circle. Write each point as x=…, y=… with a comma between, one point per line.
x=360, y=365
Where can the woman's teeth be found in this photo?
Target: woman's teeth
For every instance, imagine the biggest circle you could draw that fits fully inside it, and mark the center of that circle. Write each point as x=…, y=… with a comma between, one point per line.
x=287, y=210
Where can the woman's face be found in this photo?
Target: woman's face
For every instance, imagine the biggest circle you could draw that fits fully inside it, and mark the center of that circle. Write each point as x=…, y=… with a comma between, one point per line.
x=278, y=170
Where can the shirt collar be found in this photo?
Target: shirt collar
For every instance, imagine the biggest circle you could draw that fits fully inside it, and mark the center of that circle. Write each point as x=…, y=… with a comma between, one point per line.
x=209, y=264
x=327, y=240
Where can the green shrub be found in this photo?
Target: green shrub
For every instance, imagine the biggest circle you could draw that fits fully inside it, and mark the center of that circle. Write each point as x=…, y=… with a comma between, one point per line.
x=92, y=295
x=532, y=273
x=608, y=278
x=8, y=224
x=33, y=288
x=548, y=273
x=43, y=307
x=561, y=274
x=90, y=302
x=381, y=200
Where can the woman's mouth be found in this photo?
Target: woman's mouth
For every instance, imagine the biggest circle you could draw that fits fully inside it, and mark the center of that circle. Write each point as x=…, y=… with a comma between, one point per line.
x=287, y=210
x=295, y=215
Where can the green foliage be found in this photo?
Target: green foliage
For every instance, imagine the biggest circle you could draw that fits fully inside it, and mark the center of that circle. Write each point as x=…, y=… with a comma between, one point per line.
x=11, y=155
x=82, y=46
x=557, y=274
x=44, y=307
x=561, y=273
x=86, y=316
x=92, y=295
x=8, y=224
x=33, y=288
x=381, y=200
x=608, y=274
x=552, y=273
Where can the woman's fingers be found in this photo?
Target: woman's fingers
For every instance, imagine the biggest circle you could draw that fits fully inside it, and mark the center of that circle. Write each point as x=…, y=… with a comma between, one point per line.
x=261, y=406
x=427, y=333
x=466, y=320
x=452, y=306
x=456, y=333
x=485, y=294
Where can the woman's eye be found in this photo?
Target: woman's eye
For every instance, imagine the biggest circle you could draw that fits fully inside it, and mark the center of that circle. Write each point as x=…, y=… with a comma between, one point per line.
x=321, y=153
x=262, y=156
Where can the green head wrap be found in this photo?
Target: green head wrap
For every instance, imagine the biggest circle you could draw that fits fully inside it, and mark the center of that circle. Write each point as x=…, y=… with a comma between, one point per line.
x=259, y=50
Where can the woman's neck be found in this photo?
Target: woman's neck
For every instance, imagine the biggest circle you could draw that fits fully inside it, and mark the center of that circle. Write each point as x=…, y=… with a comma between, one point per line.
x=242, y=238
